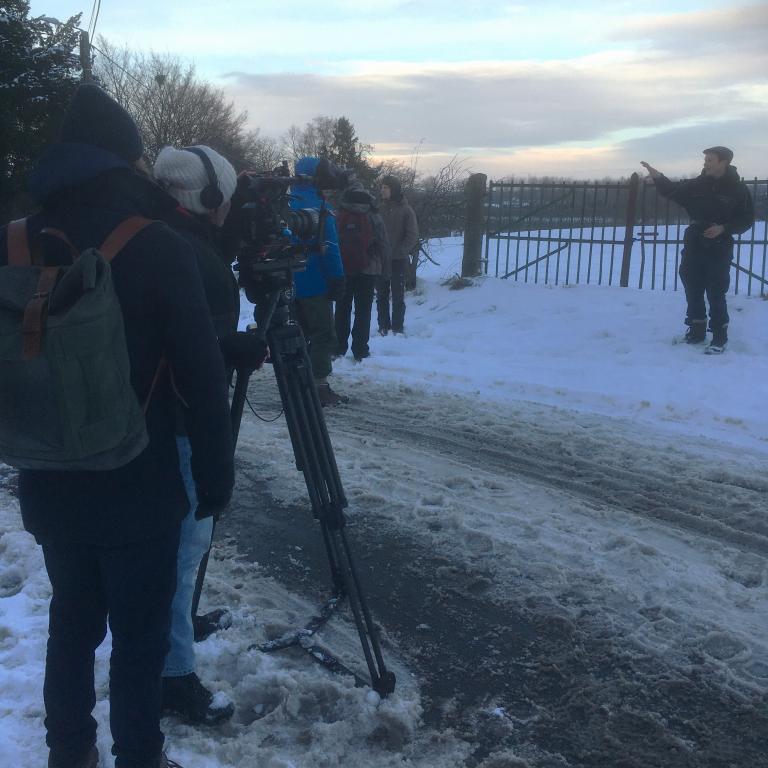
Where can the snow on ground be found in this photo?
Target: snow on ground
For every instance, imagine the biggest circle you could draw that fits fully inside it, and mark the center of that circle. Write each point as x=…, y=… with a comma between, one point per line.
x=596, y=351
x=600, y=349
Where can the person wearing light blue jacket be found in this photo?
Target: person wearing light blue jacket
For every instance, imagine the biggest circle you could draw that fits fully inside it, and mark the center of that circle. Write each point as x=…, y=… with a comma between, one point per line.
x=320, y=284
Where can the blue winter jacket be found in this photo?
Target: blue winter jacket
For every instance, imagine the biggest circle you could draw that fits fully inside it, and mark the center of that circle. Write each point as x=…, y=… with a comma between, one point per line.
x=320, y=266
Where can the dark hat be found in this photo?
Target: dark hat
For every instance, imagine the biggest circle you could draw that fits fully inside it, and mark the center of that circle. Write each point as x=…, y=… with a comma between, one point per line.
x=94, y=117
x=722, y=152
x=395, y=187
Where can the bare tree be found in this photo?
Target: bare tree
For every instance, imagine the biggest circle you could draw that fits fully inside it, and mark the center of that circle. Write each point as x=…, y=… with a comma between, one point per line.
x=171, y=105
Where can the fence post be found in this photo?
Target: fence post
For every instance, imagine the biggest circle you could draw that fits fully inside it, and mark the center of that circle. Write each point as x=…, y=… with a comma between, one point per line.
x=629, y=235
x=474, y=226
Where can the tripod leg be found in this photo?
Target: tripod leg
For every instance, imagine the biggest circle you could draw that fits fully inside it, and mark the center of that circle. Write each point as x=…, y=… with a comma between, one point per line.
x=315, y=459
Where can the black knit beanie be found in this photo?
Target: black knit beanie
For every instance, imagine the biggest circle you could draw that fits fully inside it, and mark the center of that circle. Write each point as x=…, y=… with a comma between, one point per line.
x=94, y=117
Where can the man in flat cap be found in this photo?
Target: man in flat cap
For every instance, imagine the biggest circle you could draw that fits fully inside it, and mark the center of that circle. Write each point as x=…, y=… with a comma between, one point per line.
x=720, y=206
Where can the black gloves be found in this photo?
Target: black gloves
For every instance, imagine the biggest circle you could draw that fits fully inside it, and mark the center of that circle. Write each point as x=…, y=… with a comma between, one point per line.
x=243, y=351
x=336, y=287
x=212, y=503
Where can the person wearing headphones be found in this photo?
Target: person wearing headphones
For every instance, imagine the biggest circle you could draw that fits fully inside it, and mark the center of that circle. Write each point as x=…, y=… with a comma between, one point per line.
x=201, y=183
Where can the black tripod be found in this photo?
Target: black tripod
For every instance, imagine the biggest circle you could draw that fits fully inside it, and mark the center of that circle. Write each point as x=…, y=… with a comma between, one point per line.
x=315, y=459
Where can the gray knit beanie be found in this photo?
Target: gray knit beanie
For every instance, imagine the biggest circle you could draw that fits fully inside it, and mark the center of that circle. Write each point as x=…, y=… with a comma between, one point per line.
x=184, y=176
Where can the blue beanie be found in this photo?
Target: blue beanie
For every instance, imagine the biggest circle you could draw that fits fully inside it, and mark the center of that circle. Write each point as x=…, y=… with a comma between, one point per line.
x=93, y=117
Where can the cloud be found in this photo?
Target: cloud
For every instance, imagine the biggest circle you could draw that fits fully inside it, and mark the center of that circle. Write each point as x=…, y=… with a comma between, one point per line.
x=735, y=30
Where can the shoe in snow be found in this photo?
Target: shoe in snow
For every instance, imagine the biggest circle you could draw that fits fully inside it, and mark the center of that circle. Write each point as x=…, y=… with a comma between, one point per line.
x=719, y=340
x=696, y=333
x=328, y=397
x=166, y=762
x=383, y=331
x=188, y=698
x=206, y=624
x=91, y=760
x=360, y=357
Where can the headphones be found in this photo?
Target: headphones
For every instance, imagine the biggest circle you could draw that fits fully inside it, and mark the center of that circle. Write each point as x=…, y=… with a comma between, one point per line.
x=211, y=196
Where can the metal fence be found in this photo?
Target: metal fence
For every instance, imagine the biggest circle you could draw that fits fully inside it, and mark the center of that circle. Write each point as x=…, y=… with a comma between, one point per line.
x=615, y=233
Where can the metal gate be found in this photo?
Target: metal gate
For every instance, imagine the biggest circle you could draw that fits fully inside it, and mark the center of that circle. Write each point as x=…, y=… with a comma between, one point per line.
x=605, y=233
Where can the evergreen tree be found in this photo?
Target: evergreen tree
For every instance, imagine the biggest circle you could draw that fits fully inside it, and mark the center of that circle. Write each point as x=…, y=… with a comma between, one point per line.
x=38, y=76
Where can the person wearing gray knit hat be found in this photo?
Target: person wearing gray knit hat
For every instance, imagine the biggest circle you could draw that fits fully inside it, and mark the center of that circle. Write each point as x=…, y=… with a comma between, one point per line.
x=202, y=182
x=198, y=177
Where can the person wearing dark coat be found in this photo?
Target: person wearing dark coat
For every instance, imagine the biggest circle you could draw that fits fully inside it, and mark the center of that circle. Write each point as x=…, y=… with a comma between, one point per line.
x=719, y=206
x=403, y=235
x=110, y=538
x=185, y=175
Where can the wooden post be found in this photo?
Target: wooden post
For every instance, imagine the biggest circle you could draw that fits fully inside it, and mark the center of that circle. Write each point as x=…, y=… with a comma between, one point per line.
x=475, y=225
x=629, y=234
x=85, y=57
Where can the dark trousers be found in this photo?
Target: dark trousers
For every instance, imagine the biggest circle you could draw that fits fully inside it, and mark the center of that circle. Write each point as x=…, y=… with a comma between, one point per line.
x=396, y=286
x=705, y=269
x=133, y=587
x=315, y=316
x=358, y=290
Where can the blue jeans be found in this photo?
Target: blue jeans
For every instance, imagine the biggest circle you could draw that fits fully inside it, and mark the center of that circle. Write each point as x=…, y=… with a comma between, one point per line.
x=193, y=544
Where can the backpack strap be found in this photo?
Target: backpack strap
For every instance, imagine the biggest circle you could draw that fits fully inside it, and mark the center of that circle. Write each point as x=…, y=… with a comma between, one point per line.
x=119, y=237
x=36, y=313
x=18, y=244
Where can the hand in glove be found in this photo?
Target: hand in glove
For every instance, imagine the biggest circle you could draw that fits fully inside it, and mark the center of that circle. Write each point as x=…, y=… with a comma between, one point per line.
x=336, y=288
x=243, y=351
x=212, y=503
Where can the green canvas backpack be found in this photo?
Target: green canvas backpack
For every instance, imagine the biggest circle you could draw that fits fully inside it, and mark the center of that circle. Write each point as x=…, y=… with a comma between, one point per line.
x=66, y=400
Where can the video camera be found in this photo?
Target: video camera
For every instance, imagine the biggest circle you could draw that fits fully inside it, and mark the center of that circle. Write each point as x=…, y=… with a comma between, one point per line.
x=269, y=239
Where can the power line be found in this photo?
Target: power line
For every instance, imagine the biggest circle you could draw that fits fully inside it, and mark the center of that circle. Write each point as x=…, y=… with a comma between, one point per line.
x=96, y=20
x=123, y=70
x=93, y=12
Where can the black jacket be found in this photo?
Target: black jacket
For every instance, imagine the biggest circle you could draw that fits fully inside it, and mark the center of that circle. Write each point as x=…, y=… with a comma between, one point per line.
x=219, y=282
x=708, y=200
x=87, y=192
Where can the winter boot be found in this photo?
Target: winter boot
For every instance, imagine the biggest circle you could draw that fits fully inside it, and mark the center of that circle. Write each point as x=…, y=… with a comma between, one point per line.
x=696, y=333
x=166, y=762
x=719, y=340
x=91, y=760
x=328, y=397
x=188, y=698
x=206, y=624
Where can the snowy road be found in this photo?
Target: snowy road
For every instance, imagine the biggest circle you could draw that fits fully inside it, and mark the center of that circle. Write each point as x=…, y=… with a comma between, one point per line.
x=566, y=589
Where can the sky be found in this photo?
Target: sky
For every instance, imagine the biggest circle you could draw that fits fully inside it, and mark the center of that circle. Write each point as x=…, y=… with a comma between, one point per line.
x=583, y=89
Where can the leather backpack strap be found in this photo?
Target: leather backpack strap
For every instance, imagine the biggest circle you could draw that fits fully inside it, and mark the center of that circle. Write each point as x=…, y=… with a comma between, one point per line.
x=121, y=235
x=18, y=244
x=36, y=313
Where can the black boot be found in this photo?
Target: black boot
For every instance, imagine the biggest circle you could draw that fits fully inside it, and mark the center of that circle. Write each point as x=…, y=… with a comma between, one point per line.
x=188, y=698
x=719, y=340
x=166, y=762
x=205, y=624
x=696, y=333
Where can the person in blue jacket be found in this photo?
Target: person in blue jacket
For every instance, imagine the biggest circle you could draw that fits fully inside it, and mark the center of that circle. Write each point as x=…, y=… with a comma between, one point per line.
x=319, y=285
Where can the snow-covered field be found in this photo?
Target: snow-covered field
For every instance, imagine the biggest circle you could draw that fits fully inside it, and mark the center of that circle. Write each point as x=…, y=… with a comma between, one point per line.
x=558, y=439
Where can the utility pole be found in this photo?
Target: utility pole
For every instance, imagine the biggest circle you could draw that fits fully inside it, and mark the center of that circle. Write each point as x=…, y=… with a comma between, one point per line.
x=85, y=57
x=474, y=228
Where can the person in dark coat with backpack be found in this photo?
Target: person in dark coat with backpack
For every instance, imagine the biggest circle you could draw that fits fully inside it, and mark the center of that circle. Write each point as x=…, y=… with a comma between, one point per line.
x=403, y=234
x=364, y=251
x=720, y=206
x=110, y=537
